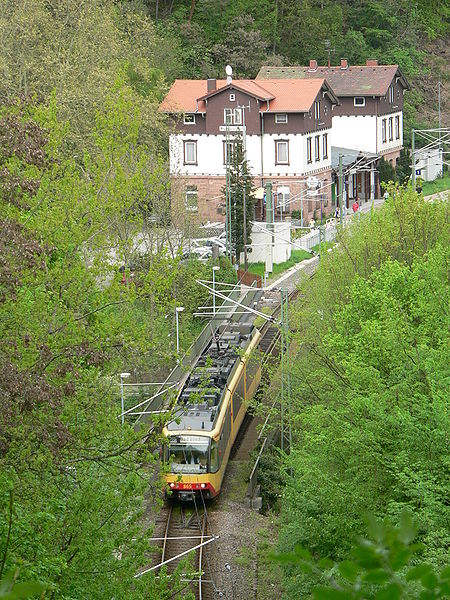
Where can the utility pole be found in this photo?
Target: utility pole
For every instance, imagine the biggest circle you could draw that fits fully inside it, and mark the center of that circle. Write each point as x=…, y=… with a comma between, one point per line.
x=269, y=221
x=227, y=193
x=439, y=121
x=285, y=404
x=413, y=159
x=340, y=195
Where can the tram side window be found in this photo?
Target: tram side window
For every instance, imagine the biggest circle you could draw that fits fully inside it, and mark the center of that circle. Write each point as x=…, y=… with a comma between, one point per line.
x=226, y=431
x=252, y=370
x=238, y=396
x=214, y=457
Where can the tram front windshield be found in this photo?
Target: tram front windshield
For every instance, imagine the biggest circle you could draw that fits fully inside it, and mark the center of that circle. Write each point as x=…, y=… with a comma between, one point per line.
x=188, y=454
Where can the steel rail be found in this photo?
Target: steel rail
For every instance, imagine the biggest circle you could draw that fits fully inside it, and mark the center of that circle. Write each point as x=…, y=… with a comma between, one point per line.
x=200, y=557
x=166, y=535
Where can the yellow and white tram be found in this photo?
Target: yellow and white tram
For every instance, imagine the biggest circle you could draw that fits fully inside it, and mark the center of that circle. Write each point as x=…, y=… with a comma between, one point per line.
x=211, y=407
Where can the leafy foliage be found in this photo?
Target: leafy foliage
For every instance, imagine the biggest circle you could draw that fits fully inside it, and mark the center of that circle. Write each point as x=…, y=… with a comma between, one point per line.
x=72, y=478
x=369, y=384
x=378, y=568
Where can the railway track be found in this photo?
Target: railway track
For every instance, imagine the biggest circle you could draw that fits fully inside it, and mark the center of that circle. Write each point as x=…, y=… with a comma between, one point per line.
x=184, y=542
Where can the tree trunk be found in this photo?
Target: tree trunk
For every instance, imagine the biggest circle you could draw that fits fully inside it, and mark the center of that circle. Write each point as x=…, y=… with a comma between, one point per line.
x=191, y=14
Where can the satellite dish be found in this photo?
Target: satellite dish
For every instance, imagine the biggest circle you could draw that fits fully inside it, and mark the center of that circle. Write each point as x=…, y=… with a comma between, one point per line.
x=228, y=70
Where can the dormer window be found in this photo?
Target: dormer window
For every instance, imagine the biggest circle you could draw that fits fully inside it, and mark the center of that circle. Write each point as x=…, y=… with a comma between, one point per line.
x=281, y=118
x=359, y=101
x=189, y=119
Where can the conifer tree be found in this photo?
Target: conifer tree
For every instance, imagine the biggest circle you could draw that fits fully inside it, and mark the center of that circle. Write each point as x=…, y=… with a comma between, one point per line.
x=241, y=187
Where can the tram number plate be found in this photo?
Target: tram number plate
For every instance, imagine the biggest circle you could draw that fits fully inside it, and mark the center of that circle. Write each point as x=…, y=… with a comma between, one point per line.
x=185, y=486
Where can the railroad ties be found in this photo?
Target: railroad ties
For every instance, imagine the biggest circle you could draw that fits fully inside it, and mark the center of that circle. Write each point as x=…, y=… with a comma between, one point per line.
x=185, y=531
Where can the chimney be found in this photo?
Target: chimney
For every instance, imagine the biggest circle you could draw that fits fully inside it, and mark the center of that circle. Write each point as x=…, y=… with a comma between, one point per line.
x=344, y=63
x=372, y=62
x=312, y=65
x=211, y=85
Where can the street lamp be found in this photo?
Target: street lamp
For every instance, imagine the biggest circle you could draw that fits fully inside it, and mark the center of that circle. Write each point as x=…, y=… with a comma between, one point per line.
x=214, y=269
x=178, y=310
x=122, y=395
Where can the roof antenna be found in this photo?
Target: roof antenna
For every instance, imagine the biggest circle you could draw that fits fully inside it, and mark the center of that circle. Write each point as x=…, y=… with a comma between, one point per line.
x=229, y=72
x=328, y=49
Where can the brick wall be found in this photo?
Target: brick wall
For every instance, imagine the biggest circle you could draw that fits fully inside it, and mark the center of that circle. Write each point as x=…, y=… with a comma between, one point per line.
x=211, y=200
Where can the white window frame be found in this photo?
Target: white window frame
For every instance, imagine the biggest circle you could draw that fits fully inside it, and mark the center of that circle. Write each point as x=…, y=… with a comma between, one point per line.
x=189, y=115
x=397, y=127
x=189, y=205
x=309, y=150
x=325, y=145
x=281, y=118
x=185, y=152
x=283, y=193
x=232, y=116
x=391, y=128
x=278, y=144
x=317, y=110
x=357, y=99
x=317, y=148
x=232, y=97
x=383, y=132
x=391, y=93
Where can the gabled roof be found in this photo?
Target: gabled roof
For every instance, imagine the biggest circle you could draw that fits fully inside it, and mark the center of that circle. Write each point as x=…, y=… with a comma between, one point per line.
x=278, y=95
x=246, y=85
x=349, y=81
x=295, y=95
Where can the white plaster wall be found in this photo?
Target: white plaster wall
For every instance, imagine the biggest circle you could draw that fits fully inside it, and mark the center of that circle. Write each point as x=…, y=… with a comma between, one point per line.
x=210, y=154
x=358, y=132
x=322, y=163
x=262, y=239
x=297, y=154
x=389, y=145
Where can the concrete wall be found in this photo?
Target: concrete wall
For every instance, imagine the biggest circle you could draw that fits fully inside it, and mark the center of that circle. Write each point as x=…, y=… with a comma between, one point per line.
x=429, y=164
x=261, y=240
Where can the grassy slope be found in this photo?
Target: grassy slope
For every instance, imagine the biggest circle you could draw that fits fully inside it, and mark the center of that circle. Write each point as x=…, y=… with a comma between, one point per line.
x=296, y=257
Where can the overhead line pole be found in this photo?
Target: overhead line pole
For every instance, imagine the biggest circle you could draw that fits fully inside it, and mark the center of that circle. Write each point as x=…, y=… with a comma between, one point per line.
x=341, y=194
x=413, y=159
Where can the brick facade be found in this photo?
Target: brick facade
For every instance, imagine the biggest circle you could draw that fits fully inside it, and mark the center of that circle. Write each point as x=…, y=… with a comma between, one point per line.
x=211, y=200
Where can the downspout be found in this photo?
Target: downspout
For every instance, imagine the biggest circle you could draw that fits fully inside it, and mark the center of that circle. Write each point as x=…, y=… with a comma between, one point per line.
x=376, y=128
x=262, y=149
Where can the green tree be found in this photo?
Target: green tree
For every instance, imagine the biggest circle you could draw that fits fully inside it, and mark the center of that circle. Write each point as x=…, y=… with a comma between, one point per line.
x=379, y=567
x=72, y=478
x=369, y=386
x=240, y=190
x=386, y=171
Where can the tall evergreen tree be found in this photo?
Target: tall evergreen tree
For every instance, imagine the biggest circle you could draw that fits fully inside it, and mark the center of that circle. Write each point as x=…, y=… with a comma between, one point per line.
x=241, y=189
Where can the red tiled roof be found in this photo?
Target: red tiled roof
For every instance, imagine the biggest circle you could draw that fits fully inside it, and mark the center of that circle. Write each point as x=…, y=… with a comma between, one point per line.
x=288, y=95
x=246, y=85
x=351, y=81
x=294, y=95
x=182, y=96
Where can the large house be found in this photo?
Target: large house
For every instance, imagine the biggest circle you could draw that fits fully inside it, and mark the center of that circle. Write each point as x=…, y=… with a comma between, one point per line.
x=287, y=127
x=367, y=122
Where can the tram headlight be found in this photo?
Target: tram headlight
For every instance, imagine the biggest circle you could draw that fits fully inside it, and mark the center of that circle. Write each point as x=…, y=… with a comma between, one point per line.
x=172, y=485
x=203, y=485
